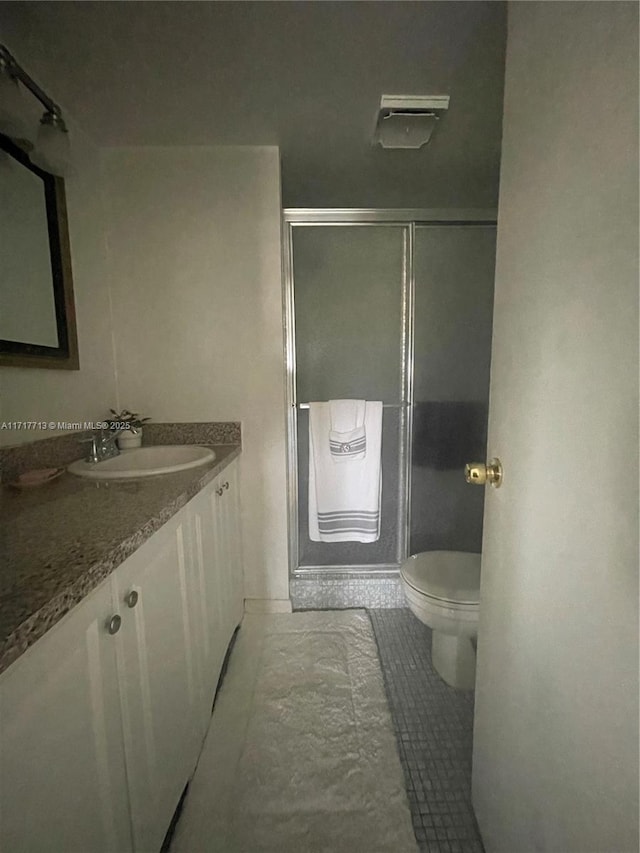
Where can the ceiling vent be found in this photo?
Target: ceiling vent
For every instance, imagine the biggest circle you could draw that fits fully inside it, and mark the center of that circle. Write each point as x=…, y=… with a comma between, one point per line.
x=407, y=121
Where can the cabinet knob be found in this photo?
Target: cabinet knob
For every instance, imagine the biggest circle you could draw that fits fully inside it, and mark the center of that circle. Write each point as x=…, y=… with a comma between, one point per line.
x=225, y=485
x=113, y=625
x=219, y=491
x=131, y=598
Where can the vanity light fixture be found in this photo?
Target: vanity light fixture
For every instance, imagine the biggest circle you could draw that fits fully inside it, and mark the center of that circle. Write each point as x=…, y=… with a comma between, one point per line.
x=51, y=151
x=408, y=121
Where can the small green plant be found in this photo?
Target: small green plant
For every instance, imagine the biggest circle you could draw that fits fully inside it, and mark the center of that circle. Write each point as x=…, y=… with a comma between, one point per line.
x=126, y=420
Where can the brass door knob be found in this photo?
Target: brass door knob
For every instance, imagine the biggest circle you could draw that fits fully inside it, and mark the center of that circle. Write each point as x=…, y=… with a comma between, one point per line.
x=479, y=474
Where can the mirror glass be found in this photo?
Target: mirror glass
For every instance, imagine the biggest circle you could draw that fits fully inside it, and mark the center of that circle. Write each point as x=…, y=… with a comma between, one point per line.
x=27, y=307
x=37, y=318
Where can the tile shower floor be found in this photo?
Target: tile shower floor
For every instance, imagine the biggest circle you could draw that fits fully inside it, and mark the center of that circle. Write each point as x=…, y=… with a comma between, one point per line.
x=434, y=730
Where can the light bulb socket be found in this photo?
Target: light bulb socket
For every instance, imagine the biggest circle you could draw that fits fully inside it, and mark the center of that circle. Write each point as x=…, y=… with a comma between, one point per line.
x=54, y=119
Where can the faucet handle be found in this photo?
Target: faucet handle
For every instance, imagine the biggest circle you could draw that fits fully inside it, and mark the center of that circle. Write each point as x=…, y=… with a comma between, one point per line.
x=93, y=451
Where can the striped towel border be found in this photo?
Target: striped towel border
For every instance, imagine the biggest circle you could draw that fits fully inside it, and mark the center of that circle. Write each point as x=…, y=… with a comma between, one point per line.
x=348, y=448
x=349, y=521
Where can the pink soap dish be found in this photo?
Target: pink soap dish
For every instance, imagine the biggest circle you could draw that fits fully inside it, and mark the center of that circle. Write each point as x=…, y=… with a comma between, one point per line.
x=36, y=478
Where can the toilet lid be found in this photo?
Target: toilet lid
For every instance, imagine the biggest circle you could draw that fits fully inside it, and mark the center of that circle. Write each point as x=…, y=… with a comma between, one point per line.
x=446, y=575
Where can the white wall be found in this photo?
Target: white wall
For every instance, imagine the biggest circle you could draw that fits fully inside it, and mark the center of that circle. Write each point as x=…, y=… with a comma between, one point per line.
x=194, y=243
x=556, y=734
x=34, y=394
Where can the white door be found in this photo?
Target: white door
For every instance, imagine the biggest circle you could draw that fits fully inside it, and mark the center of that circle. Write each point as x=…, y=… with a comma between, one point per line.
x=556, y=730
x=63, y=785
x=161, y=720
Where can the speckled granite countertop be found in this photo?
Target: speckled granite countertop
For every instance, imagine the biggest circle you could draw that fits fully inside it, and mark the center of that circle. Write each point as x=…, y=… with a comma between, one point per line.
x=59, y=541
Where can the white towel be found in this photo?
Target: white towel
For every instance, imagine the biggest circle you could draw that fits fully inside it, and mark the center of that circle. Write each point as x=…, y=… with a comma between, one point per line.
x=344, y=500
x=347, y=436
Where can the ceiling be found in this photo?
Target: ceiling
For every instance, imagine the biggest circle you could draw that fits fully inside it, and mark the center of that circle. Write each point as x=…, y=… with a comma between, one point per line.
x=306, y=76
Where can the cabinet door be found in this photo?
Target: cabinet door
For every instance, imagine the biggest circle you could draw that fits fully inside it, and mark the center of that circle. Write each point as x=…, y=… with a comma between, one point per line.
x=161, y=721
x=63, y=783
x=219, y=596
x=231, y=546
x=205, y=519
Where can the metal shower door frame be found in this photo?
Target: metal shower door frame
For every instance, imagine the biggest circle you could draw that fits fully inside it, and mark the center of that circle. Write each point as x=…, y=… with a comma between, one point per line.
x=407, y=220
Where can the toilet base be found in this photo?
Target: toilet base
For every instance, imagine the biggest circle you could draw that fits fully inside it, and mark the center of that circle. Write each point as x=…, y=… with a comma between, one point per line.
x=454, y=659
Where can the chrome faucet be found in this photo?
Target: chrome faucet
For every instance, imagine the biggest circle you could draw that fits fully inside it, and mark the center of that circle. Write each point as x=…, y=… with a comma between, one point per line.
x=103, y=446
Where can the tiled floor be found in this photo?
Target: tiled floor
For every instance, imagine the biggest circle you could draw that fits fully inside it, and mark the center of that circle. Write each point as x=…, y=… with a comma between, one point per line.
x=434, y=729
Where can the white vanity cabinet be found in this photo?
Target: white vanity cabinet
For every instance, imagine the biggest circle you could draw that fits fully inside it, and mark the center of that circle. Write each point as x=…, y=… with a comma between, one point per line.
x=63, y=783
x=100, y=732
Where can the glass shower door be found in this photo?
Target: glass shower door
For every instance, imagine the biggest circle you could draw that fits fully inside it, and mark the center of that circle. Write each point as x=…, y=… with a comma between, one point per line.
x=350, y=294
x=453, y=313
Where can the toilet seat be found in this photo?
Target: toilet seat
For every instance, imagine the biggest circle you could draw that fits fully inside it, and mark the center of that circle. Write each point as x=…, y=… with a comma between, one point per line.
x=449, y=616
x=449, y=578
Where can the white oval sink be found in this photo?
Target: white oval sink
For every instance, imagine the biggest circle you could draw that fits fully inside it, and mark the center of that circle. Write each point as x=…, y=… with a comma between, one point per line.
x=144, y=462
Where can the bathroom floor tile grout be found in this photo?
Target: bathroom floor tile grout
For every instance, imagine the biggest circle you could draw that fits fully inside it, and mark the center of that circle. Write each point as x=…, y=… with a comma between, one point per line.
x=433, y=724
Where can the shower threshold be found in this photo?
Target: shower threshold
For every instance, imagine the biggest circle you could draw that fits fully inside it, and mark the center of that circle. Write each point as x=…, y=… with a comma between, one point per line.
x=380, y=570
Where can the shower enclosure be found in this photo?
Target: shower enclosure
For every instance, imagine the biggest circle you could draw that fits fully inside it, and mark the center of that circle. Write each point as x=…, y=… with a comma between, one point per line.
x=393, y=306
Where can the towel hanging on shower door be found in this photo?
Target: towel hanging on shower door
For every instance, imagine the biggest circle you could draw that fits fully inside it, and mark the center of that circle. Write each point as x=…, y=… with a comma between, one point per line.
x=344, y=500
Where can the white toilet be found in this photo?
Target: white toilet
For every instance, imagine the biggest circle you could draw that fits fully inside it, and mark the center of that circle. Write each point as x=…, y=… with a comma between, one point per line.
x=442, y=589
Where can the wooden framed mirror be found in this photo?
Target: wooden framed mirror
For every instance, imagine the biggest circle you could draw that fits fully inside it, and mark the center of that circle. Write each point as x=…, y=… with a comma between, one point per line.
x=37, y=311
